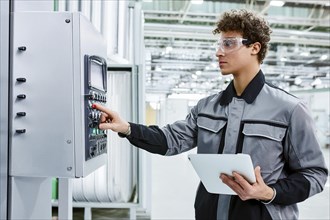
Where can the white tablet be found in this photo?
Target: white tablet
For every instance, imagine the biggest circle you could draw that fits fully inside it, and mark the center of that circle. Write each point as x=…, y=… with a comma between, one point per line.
x=209, y=167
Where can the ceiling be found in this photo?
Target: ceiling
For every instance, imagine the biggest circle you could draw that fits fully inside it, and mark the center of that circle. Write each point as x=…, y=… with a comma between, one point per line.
x=180, y=57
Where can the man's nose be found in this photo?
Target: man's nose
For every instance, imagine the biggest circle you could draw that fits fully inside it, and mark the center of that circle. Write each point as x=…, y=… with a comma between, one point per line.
x=220, y=52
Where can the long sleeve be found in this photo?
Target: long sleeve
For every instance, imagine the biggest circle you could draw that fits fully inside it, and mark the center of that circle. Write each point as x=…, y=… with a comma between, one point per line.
x=170, y=140
x=307, y=172
x=149, y=138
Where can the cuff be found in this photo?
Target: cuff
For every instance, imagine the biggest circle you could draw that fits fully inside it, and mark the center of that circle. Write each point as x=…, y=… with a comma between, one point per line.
x=127, y=133
x=268, y=202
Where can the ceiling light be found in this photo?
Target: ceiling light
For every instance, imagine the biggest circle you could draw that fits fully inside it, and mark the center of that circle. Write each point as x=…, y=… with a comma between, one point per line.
x=316, y=82
x=158, y=68
x=297, y=81
x=198, y=73
x=168, y=49
x=304, y=54
x=276, y=3
x=324, y=57
x=149, y=1
x=196, y=2
x=194, y=76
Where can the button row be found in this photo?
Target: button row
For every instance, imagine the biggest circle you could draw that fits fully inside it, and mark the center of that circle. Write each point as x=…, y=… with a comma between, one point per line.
x=95, y=115
x=98, y=97
x=97, y=136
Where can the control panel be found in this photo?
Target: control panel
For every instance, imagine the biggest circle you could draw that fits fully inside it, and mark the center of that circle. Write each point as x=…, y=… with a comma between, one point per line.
x=96, y=92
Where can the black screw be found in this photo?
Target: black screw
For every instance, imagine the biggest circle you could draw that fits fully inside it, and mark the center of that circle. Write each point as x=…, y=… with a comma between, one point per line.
x=67, y=20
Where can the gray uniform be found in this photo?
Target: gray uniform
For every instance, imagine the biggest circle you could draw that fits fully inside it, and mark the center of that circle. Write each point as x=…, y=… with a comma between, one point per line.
x=272, y=126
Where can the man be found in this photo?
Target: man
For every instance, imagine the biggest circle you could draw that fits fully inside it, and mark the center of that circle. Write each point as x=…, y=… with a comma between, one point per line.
x=251, y=116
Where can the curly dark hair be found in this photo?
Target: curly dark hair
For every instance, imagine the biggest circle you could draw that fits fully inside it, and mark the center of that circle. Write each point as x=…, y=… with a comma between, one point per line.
x=251, y=26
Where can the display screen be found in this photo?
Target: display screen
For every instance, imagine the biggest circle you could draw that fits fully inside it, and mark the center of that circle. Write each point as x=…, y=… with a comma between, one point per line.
x=96, y=75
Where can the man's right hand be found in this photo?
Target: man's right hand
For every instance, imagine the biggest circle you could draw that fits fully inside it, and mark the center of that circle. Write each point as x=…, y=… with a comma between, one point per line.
x=111, y=120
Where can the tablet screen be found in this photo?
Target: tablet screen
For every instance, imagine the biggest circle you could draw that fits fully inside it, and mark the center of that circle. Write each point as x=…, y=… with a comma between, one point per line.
x=209, y=167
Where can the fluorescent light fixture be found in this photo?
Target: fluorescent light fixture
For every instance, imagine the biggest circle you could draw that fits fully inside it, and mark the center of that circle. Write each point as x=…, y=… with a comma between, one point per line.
x=158, y=68
x=198, y=73
x=324, y=57
x=316, y=82
x=148, y=1
x=168, y=49
x=297, y=81
x=196, y=2
x=276, y=3
x=304, y=54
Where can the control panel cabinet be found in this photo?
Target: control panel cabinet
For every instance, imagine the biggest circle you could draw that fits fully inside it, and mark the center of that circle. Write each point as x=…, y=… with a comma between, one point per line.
x=58, y=72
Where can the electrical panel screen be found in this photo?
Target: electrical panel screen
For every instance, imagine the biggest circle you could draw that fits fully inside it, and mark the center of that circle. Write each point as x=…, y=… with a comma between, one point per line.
x=96, y=75
x=96, y=92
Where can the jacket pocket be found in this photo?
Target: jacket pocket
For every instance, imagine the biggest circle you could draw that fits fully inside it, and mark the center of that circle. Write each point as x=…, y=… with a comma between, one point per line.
x=264, y=130
x=211, y=124
x=209, y=133
x=264, y=143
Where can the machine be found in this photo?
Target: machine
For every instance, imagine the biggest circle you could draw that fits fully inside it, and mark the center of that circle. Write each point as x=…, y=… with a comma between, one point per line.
x=58, y=71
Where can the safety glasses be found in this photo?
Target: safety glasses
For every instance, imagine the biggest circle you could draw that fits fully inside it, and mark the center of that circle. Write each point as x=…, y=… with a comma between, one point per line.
x=230, y=44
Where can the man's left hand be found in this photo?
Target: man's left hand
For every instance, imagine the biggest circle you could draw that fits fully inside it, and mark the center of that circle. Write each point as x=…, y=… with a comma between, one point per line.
x=258, y=190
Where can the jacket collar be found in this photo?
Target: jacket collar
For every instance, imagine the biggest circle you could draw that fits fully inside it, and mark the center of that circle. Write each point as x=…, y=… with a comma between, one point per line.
x=250, y=93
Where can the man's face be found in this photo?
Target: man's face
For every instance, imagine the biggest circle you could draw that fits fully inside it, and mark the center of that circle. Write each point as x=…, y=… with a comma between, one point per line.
x=232, y=53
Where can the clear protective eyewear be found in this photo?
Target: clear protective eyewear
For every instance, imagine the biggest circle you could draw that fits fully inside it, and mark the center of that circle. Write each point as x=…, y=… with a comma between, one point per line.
x=230, y=44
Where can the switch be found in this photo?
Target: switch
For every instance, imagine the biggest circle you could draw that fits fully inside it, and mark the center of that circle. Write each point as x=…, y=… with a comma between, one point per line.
x=94, y=95
x=20, y=131
x=21, y=113
x=21, y=96
x=22, y=48
x=21, y=79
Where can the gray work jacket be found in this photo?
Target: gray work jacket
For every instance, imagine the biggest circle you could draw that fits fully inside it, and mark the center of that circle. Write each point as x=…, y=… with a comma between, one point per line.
x=272, y=126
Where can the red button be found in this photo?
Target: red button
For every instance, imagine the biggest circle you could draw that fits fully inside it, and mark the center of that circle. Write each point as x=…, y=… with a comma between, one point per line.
x=93, y=106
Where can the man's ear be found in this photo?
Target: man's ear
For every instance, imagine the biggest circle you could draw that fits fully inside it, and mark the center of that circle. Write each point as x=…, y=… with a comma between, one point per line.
x=255, y=48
